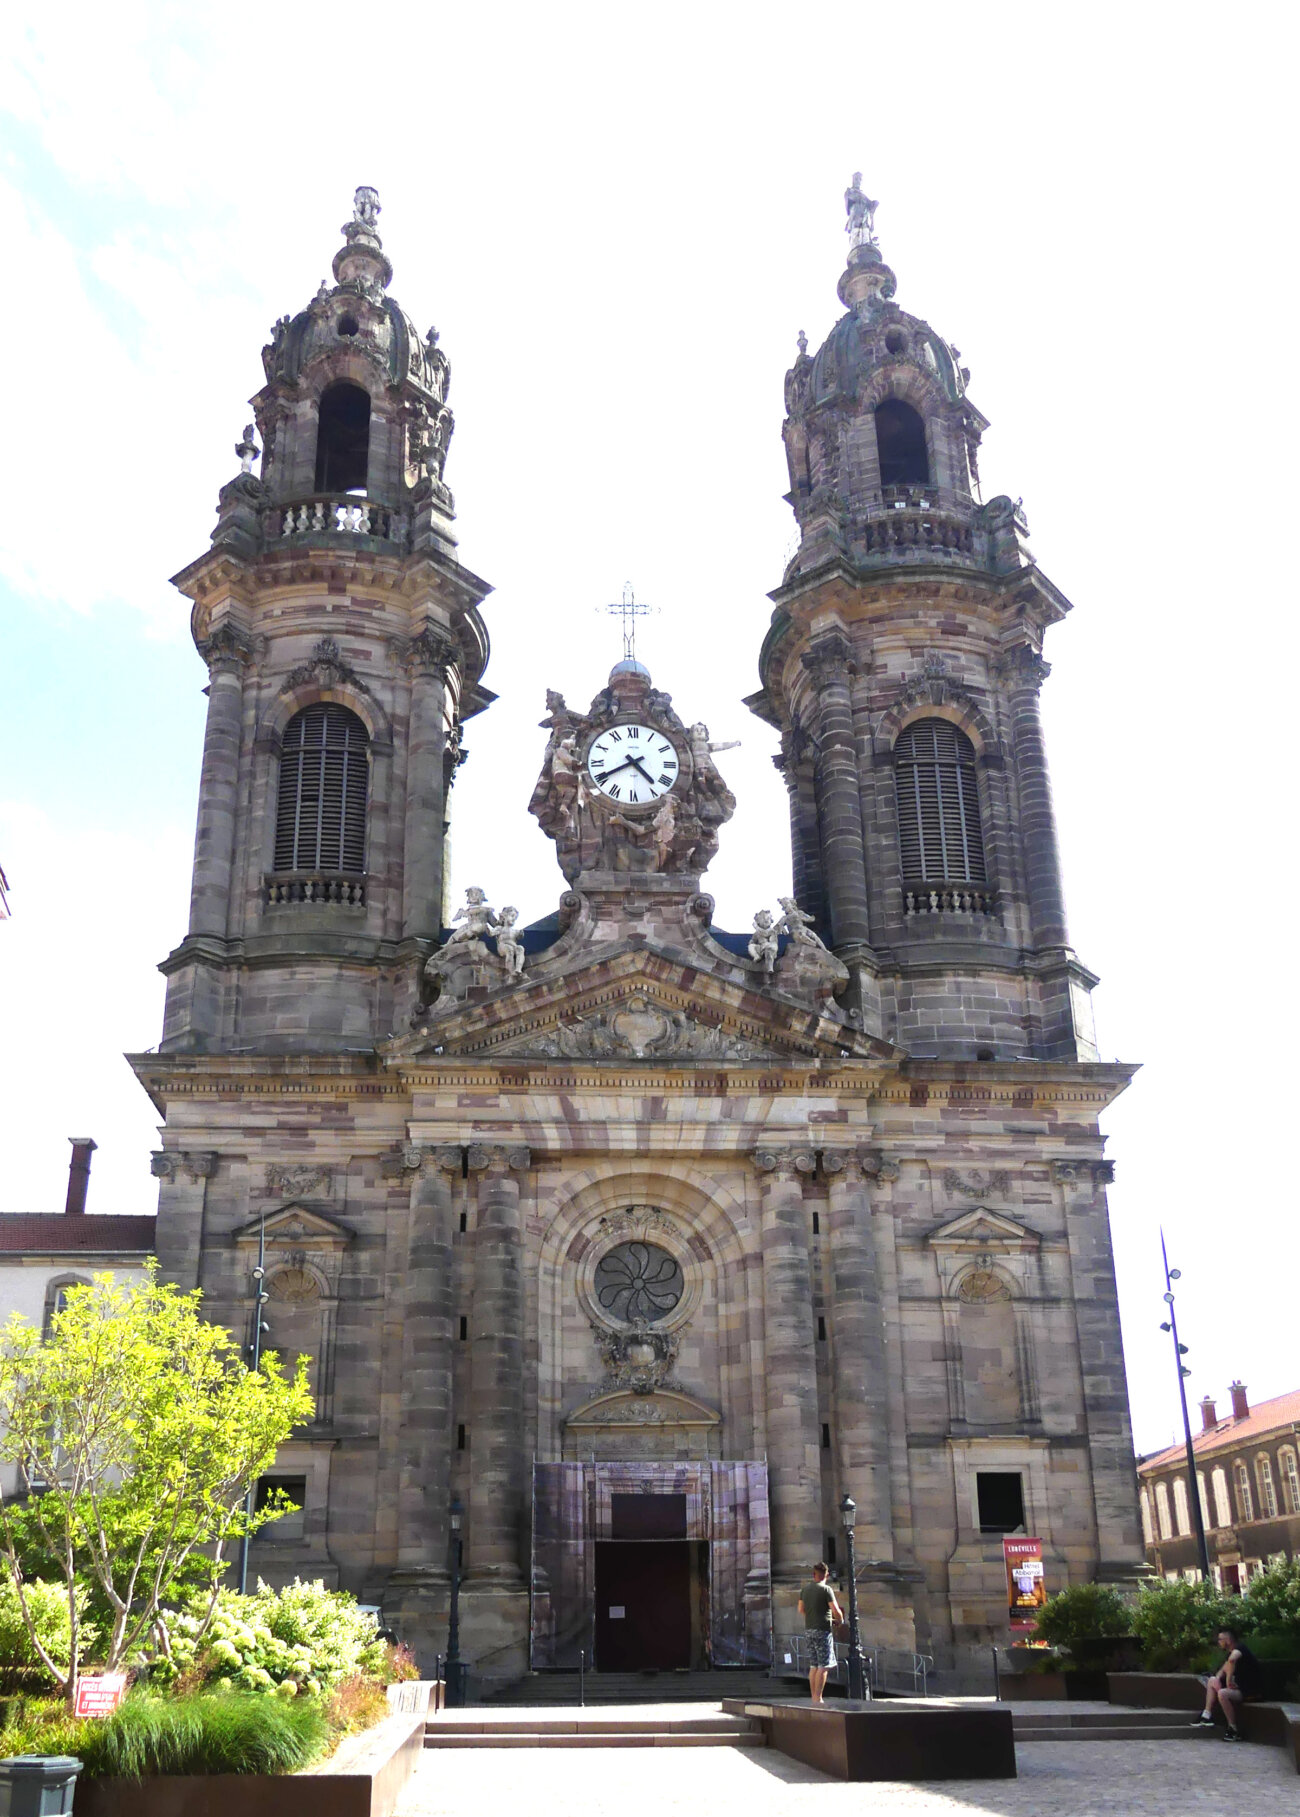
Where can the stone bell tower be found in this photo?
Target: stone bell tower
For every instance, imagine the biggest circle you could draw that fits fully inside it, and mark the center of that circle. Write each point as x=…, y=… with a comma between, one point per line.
x=345, y=649
x=902, y=668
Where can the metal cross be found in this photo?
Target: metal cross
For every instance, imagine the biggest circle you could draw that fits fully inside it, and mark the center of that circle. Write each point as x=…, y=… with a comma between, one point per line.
x=629, y=609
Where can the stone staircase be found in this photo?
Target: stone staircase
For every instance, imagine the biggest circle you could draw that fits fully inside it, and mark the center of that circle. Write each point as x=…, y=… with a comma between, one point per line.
x=1107, y=1722
x=641, y=1727
x=544, y=1689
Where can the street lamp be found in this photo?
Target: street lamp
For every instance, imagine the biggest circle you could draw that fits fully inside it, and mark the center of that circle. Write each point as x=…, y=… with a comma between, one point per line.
x=1180, y=1351
x=857, y=1686
x=260, y=1297
x=455, y=1697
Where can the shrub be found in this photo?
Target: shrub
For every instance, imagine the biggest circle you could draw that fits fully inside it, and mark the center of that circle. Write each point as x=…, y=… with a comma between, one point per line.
x=358, y=1703
x=302, y=1638
x=1083, y=1612
x=20, y=1663
x=1177, y=1623
x=1271, y=1605
x=214, y=1732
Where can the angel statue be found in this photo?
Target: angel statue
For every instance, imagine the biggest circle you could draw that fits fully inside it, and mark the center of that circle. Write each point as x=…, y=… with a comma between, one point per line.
x=799, y=925
x=763, y=942
x=479, y=919
x=509, y=945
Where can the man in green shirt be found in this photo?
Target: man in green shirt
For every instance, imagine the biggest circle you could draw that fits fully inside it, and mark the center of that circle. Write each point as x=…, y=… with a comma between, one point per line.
x=819, y=1609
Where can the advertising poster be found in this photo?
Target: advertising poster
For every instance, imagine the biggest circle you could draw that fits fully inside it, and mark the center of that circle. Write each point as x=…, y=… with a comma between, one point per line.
x=1026, y=1589
x=99, y=1693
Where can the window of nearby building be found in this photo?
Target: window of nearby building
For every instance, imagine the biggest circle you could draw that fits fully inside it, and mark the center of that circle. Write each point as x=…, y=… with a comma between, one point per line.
x=939, y=834
x=289, y=1526
x=1241, y=1483
x=56, y=1297
x=1182, y=1518
x=1000, y=1495
x=1290, y=1480
x=1191, y=1575
x=324, y=780
x=1206, y=1517
x=1148, y=1532
x=1222, y=1506
x=1267, y=1488
x=1166, y=1525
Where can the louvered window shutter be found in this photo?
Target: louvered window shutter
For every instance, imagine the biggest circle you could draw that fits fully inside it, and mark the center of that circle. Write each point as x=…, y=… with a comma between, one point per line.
x=324, y=778
x=939, y=832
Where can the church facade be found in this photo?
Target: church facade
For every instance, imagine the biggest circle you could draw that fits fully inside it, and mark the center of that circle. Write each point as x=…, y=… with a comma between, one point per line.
x=632, y=1244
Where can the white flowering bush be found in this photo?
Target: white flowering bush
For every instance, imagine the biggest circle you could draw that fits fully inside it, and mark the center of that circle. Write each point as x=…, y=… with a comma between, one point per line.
x=303, y=1638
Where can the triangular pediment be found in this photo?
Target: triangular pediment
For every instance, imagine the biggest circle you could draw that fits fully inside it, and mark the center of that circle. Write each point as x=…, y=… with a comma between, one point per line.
x=640, y=1005
x=981, y=1228
x=624, y=1411
x=297, y=1225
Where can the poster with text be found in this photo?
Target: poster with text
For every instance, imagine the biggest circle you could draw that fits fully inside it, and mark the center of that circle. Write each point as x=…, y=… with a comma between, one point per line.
x=99, y=1693
x=1026, y=1588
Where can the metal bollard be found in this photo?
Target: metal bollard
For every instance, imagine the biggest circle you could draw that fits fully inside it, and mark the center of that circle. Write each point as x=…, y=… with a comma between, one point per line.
x=37, y=1785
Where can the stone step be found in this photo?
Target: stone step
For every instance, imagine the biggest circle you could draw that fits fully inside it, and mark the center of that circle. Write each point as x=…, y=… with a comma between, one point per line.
x=1026, y=1722
x=1115, y=1732
x=554, y=1735
x=545, y=1688
x=710, y=1722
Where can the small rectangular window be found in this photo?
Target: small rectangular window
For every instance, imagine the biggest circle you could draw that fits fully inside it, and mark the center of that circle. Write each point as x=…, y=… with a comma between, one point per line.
x=830, y=1550
x=1001, y=1498
x=821, y=1329
x=288, y=1526
x=464, y=1328
x=826, y=1437
x=817, y=1224
x=464, y=1224
x=460, y=1439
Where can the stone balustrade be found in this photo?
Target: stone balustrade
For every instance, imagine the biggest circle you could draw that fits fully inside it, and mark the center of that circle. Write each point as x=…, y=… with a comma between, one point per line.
x=282, y=887
x=333, y=515
x=910, y=522
x=949, y=899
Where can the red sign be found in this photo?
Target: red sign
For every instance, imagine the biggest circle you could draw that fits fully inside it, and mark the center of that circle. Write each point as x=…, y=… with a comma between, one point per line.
x=99, y=1693
x=1026, y=1589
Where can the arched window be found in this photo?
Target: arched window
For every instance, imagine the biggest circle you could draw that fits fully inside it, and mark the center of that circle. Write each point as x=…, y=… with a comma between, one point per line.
x=1267, y=1490
x=1222, y=1506
x=1162, y=1511
x=343, y=439
x=321, y=812
x=1241, y=1481
x=900, y=443
x=56, y=1297
x=1182, y=1515
x=938, y=805
x=1148, y=1533
x=1206, y=1517
x=1290, y=1480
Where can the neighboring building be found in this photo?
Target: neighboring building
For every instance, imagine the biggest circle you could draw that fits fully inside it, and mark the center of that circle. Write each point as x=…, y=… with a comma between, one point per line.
x=646, y=1240
x=42, y=1254
x=1248, y=1479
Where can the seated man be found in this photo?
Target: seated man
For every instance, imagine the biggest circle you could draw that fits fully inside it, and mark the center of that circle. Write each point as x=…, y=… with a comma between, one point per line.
x=1236, y=1679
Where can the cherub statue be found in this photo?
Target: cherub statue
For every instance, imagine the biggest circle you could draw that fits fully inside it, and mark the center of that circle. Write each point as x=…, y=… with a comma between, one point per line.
x=509, y=945
x=797, y=924
x=701, y=749
x=480, y=920
x=764, y=941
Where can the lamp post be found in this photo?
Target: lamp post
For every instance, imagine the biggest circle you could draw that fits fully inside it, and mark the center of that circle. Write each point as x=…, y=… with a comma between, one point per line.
x=857, y=1686
x=1180, y=1351
x=259, y=1326
x=455, y=1698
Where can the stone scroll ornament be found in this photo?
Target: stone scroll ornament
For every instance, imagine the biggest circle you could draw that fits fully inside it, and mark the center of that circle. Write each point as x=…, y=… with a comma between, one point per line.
x=674, y=833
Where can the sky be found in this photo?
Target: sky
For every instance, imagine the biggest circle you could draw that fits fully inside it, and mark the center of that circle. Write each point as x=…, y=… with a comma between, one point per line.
x=619, y=220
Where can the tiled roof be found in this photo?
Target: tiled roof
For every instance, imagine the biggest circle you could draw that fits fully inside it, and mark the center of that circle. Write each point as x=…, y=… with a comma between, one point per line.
x=1230, y=1435
x=57, y=1233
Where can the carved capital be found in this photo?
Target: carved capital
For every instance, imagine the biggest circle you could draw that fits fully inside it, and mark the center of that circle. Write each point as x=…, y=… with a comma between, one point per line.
x=829, y=659
x=498, y=1159
x=785, y=1163
x=431, y=652
x=848, y=1164
x=227, y=651
x=1083, y=1173
x=877, y=1166
x=406, y=1157
x=1023, y=667
x=170, y=1164
x=450, y=1160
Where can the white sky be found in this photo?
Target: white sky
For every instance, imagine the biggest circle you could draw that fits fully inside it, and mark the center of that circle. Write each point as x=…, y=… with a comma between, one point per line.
x=619, y=220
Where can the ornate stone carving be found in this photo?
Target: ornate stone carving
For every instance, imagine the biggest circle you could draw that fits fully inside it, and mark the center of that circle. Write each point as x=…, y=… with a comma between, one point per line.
x=861, y=223
x=465, y=962
x=297, y=1180
x=510, y=947
x=484, y=1158
x=294, y=1284
x=764, y=942
x=637, y=1221
x=324, y=668
x=638, y=1283
x=993, y=1183
x=170, y=1163
x=981, y=1284
x=226, y=648
x=637, y=1029
x=246, y=448
x=640, y=1359
x=786, y=1163
x=829, y=659
x=807, y=969
x=431, y=651
x=1083, y=1173
x=1023, y=667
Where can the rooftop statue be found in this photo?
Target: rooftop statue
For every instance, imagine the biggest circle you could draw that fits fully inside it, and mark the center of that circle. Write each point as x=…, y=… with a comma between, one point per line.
x=861, y=210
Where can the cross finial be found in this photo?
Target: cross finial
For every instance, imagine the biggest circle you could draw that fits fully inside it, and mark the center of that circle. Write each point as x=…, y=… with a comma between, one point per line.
x=629, y=609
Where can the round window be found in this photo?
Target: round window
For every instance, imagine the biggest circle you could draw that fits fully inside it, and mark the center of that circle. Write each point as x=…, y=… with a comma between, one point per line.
x=638, y=1281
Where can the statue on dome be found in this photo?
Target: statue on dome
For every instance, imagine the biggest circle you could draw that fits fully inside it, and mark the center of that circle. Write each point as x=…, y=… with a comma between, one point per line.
x=861, y=210
x=365, y=207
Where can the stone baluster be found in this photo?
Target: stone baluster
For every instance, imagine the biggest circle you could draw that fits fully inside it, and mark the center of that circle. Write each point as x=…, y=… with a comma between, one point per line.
x=1026, y=672
x=861, y=1397
x=844, y=857
x=182, y=1201
x=790, y=1361
x=427, y=1359
x=427, y=657
x=496, y=1369
x=227, y=653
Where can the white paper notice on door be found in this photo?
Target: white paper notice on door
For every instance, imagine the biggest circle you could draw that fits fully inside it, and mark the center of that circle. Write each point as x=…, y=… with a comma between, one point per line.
x=618, y=1612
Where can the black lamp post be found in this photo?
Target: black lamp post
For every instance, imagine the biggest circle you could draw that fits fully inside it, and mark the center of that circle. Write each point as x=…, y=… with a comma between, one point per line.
x=1180, y=1351
x=455, y=1670
x=259, y=1326
x=857, y=1666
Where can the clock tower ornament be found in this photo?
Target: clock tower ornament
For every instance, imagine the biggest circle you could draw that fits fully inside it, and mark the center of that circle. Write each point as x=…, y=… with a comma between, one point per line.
x=627, y=789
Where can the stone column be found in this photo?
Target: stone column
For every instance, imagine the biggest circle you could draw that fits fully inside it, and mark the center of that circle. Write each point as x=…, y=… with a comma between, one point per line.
x=427, y=657
x=427, y=1337
x=1101, y=1361
x=844, y=857
x=1026, y=672
x=861, y=1398
x=182, y=1199
x=790, y=1364
x=497, y=1466
x=227, y=655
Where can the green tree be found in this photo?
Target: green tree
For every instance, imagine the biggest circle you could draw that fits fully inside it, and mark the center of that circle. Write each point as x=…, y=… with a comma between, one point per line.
x=137, y=1431
x=1271, y=1605
x=1177, y=1622
x=1083, y=1612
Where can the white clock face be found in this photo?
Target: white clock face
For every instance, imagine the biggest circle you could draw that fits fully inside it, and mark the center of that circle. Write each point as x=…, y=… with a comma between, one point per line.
x=632, y=763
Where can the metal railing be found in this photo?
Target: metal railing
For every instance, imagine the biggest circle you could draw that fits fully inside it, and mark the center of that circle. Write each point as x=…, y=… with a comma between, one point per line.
x=889, y=1669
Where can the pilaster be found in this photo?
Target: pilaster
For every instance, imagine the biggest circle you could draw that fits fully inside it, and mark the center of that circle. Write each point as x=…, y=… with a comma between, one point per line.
x=496, y=1406
x=861, y=1424
x=182, y=1199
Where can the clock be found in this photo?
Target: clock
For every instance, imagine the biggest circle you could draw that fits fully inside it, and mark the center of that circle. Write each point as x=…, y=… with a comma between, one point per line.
x=632, y=764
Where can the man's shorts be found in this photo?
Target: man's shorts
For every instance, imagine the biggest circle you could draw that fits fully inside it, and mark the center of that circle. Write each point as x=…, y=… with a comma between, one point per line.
x=821, y=1648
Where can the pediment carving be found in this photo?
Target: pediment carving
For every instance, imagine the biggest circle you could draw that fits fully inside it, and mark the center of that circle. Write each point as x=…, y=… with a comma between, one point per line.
x=981, y=1229
x=982, y=1253
x=297, y=1227
x=638, y=1028
x=623, y=1411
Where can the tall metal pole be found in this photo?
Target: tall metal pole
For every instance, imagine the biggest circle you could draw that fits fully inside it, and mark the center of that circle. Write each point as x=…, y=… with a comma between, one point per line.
x=857, y=1676
x=259, y=1300
x=455, y=1670
x=1193, y=1485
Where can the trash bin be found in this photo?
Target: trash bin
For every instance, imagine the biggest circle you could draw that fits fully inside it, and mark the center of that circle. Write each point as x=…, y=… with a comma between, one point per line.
x=37, y=1785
